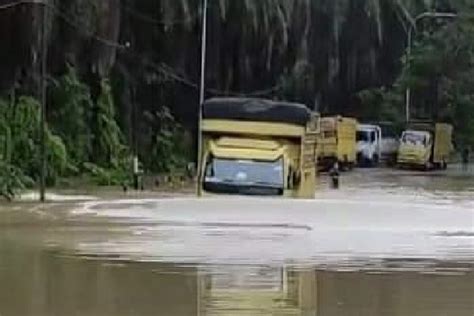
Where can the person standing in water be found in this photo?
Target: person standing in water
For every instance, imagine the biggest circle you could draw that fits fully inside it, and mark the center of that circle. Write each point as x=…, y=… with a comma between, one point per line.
x=465, y=158
x=334, y=175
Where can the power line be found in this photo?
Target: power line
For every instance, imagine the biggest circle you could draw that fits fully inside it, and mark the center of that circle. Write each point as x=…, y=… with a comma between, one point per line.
x=162, y=67
x=18, y=3
x=168, y=71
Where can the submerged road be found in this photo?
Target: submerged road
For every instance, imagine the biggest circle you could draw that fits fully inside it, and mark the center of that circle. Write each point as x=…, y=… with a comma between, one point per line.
x=387, y=243
x=377, y=215
x=251, y=231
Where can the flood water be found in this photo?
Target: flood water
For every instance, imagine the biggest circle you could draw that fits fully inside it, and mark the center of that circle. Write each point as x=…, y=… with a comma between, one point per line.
x=387, y=243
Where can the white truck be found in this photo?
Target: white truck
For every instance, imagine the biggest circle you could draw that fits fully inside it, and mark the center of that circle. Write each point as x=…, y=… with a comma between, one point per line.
x=369, y=144
x=376, y=143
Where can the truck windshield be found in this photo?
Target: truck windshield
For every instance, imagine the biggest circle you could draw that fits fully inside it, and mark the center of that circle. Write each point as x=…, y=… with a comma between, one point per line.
x=244, y=176
x=414, y=138
x=366, y=136
x=363, y=136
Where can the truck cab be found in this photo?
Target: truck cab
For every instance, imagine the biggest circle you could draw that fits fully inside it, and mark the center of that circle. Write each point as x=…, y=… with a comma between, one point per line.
x=245, y=166
x=369, y=144
x=426, y=146
x=258, y=147
x=415, y=148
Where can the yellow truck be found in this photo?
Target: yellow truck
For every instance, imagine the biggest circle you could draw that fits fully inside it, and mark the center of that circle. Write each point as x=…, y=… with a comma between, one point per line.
x=426, y=145
x=258, y=147
x=338, y=142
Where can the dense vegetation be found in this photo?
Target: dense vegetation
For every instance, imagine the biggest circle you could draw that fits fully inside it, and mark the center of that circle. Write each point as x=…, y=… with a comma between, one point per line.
x=122, y=75
x=440, y=73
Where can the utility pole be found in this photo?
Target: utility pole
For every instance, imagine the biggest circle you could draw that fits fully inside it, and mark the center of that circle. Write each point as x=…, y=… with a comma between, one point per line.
x=202, y=87
x=412, y=27
x=43, y=167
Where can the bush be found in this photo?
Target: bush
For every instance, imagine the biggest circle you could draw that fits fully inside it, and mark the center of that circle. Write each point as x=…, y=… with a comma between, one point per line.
x=107, y=177
x=20, y=140
x=109, y=147
x=72, y=104
x=168, y=142
x=12, y=181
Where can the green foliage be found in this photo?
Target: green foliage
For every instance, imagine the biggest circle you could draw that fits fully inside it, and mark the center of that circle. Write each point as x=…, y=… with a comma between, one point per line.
x=381, y=104
x=90, y=131
x=19, y=146
x=25, y=126
x=57, y=158
x=73, y=105
x=5, y=133
x=107, y=177
x=12, y=180
x=21, y=135
x=110, y=160
x=169, y=147
x=440, y=74
x=109, y=149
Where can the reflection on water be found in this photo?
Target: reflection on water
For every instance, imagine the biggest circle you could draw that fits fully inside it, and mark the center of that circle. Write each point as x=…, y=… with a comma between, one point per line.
x=45, y=282
x=54, y=261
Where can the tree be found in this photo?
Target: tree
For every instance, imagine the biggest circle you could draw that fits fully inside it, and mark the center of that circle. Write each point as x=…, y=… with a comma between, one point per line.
x=440, y=73
x=19, y=146
x=169, y=147
x=109, y=148
x=71, y=116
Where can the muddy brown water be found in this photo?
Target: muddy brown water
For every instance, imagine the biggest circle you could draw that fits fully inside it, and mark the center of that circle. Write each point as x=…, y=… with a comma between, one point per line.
x=133, y=257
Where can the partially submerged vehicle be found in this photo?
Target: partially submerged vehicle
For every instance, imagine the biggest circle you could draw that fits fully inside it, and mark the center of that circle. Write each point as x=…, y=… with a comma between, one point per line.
x=258, y=147
x=426, y=146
